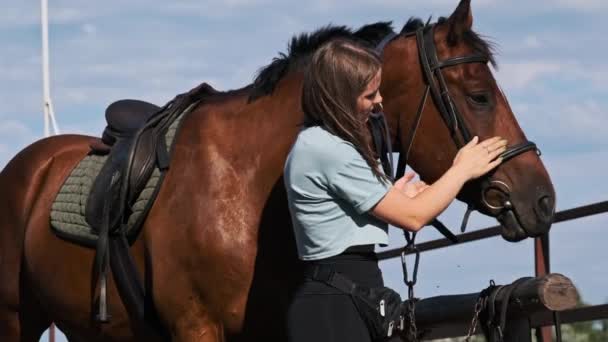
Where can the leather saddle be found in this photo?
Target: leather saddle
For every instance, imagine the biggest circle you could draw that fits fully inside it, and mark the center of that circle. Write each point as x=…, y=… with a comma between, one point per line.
x=134, y=141
x=133, y=148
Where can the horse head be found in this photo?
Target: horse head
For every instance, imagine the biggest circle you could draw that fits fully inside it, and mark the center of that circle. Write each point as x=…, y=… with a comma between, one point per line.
x=439, y=92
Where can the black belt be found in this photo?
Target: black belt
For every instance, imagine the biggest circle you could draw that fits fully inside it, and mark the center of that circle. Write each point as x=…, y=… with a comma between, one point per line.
x=326, y=274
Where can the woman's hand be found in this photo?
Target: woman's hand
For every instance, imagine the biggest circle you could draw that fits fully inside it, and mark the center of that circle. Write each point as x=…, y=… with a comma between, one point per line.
x=478, y=158
x=411, y=190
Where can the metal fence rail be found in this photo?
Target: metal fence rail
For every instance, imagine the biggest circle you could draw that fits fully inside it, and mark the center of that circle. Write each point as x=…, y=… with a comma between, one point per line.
x=564, y=215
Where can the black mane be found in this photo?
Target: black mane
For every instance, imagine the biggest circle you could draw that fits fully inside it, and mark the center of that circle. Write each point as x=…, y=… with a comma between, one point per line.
x=301, y=47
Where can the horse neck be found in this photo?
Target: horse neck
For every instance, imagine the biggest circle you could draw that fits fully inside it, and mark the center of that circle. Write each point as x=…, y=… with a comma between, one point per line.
x=253, y=136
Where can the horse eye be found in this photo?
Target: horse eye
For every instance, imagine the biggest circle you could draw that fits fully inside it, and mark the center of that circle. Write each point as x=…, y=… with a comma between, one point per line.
x=479, y=99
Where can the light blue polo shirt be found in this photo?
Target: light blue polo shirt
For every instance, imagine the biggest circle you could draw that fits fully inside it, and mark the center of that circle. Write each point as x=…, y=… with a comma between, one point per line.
x=330, y=189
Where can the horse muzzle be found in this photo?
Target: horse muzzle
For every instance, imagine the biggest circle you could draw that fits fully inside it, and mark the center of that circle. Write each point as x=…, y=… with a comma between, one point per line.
x=527, y=213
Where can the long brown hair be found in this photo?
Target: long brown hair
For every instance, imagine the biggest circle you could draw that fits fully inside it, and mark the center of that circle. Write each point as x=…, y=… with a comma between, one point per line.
x=338, y=73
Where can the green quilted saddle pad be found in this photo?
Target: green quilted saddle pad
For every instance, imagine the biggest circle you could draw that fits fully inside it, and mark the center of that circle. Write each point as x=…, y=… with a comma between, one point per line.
x=68, y=211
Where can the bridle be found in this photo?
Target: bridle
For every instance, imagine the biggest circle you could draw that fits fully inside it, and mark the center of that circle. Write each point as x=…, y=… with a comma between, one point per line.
x=454, y=121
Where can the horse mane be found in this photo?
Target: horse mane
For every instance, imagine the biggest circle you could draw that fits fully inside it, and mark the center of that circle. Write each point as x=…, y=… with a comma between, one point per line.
x=301, y=47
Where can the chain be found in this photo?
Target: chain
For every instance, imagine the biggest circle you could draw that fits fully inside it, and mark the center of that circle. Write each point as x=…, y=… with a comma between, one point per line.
x=478, y=307
x=412, y=316
x=411, y=248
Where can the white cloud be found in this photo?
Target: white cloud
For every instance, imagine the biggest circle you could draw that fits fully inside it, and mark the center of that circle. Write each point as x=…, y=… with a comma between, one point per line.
x=17, y=14
x=89, y=29
x=585, y=117
x=518, y=75
x=14, y=136
x=567, y=123
x=579, y=177
x=13, y=129
x=597, y=74
x=521, y=74
x=89, y=124
x=67, y=15
x=532, y=42
x=583, y=5
x=19, y=73
x=214, y=9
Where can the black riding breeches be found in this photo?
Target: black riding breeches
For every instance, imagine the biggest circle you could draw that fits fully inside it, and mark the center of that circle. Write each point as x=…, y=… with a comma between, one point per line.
x=322, y=313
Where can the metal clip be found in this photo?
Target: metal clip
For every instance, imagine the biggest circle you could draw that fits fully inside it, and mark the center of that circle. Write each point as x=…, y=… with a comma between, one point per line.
x=382, y=309
x=412, y=249
x=391, y=325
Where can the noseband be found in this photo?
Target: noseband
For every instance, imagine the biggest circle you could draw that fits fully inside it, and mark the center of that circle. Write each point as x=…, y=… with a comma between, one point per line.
x=454, y=121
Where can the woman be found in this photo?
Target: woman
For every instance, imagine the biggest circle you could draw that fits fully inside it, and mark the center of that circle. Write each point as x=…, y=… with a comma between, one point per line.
x=340, y=200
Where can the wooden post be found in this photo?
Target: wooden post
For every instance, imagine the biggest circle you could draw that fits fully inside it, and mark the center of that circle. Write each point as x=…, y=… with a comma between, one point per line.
x=542, y=267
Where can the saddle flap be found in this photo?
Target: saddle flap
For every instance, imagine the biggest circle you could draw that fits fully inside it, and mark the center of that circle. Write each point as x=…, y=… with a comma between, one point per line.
x=143, y=162
x=102, y=190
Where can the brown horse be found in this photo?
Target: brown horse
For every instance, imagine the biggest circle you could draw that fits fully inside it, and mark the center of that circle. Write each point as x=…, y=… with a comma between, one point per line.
x=216, y=249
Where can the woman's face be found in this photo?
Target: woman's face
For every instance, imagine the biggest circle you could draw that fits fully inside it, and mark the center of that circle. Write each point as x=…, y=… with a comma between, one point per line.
x=370, y=97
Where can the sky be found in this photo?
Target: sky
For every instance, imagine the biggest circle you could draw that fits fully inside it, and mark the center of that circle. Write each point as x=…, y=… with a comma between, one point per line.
x=551, y=64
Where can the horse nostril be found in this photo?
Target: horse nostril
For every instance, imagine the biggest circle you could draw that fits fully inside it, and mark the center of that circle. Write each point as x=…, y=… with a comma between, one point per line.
x=545, y=207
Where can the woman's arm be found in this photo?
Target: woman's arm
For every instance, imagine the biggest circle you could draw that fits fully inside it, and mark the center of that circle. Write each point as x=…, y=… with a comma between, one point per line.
x=397, y=209
x=472, y=161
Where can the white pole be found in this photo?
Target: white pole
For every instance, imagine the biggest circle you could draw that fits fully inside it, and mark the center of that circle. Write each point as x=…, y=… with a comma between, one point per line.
x=46, y=100
x=47, y=104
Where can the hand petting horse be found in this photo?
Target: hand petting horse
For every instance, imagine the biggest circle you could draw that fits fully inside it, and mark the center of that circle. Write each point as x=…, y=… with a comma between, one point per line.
x=216, y=252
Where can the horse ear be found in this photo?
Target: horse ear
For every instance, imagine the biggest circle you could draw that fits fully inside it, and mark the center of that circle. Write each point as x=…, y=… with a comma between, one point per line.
x=461, y=20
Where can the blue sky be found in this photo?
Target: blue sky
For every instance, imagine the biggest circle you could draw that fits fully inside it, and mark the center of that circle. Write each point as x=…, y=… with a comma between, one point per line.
x=552, y=66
